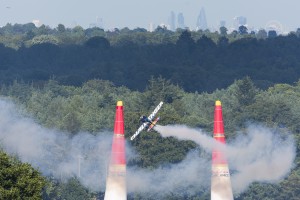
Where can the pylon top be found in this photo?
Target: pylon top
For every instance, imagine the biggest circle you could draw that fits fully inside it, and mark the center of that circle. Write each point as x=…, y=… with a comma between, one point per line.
x=120, y=103
x=218, y=103
x=119, y=120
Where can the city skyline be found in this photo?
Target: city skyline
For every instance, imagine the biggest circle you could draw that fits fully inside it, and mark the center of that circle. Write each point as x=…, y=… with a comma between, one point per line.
x=133, y=13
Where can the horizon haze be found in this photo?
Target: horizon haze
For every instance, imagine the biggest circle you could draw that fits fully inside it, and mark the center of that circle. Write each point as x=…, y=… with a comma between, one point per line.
x=134, y=13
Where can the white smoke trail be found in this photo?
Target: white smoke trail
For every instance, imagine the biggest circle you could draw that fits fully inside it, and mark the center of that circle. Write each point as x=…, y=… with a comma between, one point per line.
x=58, y=155
x=53, y=152
x=189, y=176
x=260, y=155
x=182, y=132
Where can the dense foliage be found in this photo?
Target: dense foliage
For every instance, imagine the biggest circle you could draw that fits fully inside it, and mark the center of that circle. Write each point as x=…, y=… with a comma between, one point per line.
x=19, y=181
x=91, y=108
x=69, y=190
x=196, y=61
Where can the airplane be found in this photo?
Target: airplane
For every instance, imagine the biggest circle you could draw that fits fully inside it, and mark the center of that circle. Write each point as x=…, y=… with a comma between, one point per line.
x=148, y=122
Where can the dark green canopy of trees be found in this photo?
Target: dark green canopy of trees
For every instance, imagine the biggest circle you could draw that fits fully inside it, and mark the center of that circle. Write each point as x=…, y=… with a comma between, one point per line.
x=196, y=61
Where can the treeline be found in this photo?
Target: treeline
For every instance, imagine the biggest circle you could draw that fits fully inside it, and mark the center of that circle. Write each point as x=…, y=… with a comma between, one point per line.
x=194, y=60
x=91, y=107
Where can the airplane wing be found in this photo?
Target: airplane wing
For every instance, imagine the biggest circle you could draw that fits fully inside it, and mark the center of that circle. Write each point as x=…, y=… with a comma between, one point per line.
x=140, y=129
x=155, y=111
x=144, y=125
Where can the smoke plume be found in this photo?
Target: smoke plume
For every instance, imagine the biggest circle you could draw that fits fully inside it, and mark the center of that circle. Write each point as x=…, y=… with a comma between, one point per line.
x=86, y=157
x=260, y=155
x=187, y=177
x=53, y=152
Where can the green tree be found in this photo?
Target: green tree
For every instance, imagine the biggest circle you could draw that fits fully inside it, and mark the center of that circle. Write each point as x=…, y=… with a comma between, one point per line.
x=205, y=43
x=223, y=30
x=73, y=190
x=29, y=35
x=234, y=33
x=77, y=35
x=262, y=34
x=261, y=191
x=243, y=30
x=19, y=181
x=160, y=89
x=223, y=42
x=44, y=30
x=161, y=29
x=245, y=91
x=272, y=34
x=61, y=28
x=185, y=42
x=43, y=39
x=95, y=31
x=98, y=43
x=290, y=186
x=69, y=190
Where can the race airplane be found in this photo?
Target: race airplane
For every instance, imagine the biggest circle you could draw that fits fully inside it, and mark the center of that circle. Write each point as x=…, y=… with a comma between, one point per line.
x=148, y=122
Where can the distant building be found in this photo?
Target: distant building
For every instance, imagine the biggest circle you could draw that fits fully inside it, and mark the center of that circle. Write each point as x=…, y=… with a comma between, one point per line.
x=171, y=21
x=201, y=20
x=37, y=22
x=222, y=23
x=180, y=21
x=99, y=22
x=239, y=21
x=151, y=27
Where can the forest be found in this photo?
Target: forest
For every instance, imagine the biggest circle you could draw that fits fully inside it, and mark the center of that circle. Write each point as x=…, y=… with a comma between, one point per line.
x=70, y=80
x=194, y=60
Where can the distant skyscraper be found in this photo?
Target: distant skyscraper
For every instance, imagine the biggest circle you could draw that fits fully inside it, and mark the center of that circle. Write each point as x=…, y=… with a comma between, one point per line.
x=239, y=21
x=151, y=27
x=180, y=21
x=172, y=21
x=222, y=23
x=201, y=20
x=99, y=22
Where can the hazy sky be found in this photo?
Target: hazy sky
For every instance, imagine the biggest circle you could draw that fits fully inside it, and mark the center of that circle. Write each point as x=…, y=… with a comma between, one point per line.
x=139, y=13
